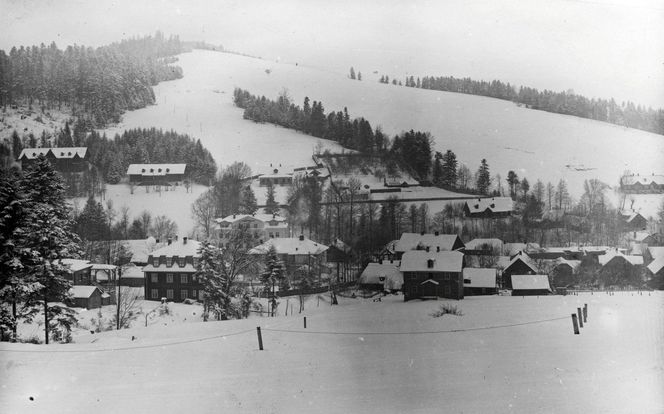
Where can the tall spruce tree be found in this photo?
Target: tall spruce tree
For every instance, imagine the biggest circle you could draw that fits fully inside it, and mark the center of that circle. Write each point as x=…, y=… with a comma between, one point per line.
x=271, y=205
x=483, y=178
x=449, y=176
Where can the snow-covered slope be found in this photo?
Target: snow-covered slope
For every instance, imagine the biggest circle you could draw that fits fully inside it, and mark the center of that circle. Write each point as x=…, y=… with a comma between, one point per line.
x=535, y=144
x=504, y=355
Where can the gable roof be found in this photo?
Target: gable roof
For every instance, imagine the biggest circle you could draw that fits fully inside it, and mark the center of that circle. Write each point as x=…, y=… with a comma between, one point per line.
x=182, y=247
x=478, y=244
x=75, y=265
x=643, y=179
x=156, y=169
x=479, y=277
x=493, y=204
x=411, y=241
x=530, y=282
x=290, y=246
x=265, y=218
x=59, y=153
x=656, y=251
x=613, y=254
x=417, y=261
x=574, y=264
x=83, y=292
x=657, y=265
x=525, y=259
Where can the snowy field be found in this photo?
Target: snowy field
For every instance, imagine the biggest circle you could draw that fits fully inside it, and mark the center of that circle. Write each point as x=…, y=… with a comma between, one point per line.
x=504, y=355
x=535, y=144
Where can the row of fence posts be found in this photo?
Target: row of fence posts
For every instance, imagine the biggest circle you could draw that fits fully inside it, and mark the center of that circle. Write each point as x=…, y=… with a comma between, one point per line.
x=579, y=318
x=260, y=336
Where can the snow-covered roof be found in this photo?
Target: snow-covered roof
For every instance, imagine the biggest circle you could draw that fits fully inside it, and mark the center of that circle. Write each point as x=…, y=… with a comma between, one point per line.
x=479, y=277
x=638, y=236
x=132, y=272
x=630, y=215
x=291, y=246
x=523, y=257
x=656, y=265
x=76, y=264
x=339, y=244
x=614, y=254
x=60, y=153
x=389, y=271
x=656, y=251
x=511, y=249
x=478, y=244
x=265, y=218
x=574, y=264
x=100, y=266
x=529, y=282
x=182, y=247
x=155, y=169
x=141, y=248
x=411, y=241
x=493, y=204
x=418, y=261
x=83, y=292
x=644, y=179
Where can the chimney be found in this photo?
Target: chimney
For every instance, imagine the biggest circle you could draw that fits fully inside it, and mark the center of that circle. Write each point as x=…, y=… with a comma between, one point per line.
x=301, y=237
x=184, y=240
x=274, y=215
x=233, y=215
x=169, y=241
x=437, y=233
x=437, y=249
x=635, y=234
x=427, y=248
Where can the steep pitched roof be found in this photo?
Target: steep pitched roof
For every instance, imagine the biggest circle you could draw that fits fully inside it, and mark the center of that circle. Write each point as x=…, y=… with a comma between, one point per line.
x=613, y=254
x=525, y=259
x=574, y=264
x=418, y=261
x=479, y=277
x=643, y=179
x=265, y=218
x=530, y=282
x=656, y=251
x=493, y=204
x=156, y=169
x=83, y=292
x=60, y=153
x=290, y=246
x=411, y=241
x=76, y=264
x=182, y=247
x=657, y=265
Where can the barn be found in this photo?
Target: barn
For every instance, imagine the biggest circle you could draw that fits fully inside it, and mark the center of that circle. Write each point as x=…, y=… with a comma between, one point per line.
x=479, y=281
x=530, y=285
x=89, y=297
x=519, y=265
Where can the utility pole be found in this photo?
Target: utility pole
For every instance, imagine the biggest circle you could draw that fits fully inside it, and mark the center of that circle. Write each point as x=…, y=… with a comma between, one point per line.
x=117, y=316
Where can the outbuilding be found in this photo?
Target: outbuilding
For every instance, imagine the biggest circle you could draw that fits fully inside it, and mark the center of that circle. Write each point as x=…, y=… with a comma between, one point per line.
x=479, y=281
x=530, y=285
x=89, y=297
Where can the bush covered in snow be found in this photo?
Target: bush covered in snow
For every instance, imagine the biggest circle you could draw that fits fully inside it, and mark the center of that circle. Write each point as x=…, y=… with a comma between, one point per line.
x=447, y=308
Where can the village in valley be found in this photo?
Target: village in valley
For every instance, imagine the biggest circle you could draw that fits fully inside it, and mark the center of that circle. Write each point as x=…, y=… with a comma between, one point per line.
x=170, y=241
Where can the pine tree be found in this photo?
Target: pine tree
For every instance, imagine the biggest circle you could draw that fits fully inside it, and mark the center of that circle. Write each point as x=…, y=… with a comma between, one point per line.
x=483, y=178
x=271, y=205
x=212, y=280
x=437, y=172
x=91, y=223
x=513, y=182
x=248, y=203
x=449, y=176
x=273, y=276
x=352, y=73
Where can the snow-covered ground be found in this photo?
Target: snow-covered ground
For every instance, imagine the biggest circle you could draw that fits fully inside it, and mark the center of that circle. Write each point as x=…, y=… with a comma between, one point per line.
x=504, y=355
x=535, y=144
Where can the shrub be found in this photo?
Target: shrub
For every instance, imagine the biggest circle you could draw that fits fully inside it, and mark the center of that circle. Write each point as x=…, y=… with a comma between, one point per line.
x=447, y=308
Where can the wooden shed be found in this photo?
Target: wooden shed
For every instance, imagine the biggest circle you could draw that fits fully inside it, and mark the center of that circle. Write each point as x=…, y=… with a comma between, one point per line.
x=530, y=285
x=89, y=297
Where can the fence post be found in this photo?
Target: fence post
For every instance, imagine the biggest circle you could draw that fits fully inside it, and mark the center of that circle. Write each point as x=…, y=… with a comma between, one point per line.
x=585, y=312
x=575, y=324
x=578, y=311
x=260, y=338
x=305, y=322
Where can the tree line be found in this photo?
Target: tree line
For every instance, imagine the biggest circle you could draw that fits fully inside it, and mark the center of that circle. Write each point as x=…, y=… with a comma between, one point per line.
x=626, y=114
x=97, y=84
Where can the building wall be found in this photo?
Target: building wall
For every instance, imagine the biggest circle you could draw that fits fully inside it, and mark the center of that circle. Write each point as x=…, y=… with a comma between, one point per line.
x=450, y=285
x=170, y=285
x=518, y=268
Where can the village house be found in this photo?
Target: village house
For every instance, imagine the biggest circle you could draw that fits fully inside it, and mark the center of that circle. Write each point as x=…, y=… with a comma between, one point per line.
x=79, y=272
x=655, y=274
x=66, y=159
x=632, y=220
x=479, y=281
x=296, y=253
x=530, y=285
x=653, y=183
x=157, y=174
x=520, y=264
x=435, y=242
x=494, y=207
x=133, y=276
x=383, y=276
x=171, y=272
x=432, y=275
x=620, y=270
x=563, y=272
x=88, y=297
x=260, y=227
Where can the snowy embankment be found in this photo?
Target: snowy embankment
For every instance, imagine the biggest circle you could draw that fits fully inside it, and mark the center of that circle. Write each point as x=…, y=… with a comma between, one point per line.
x=535, y=144
x=504, y=355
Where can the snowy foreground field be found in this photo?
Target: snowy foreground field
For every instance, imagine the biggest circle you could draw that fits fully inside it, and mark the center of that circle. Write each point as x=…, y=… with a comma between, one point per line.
x=504, y=355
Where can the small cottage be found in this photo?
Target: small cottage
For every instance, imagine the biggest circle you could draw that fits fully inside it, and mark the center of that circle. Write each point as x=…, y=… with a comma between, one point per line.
x=479, y=281
x=384, y=276
x=518, y=265
x=88, y=297
x=530, y=285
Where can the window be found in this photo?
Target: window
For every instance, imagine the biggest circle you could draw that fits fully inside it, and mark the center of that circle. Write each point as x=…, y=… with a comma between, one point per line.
x=169, y=261
x=169, y=293
x=169, y=277
x=430, y=263
x=154, y=293
x=183, y=294
x=195, y=261
x=194, y=278
x=255, y=225
x=183, y=278
x=154, y=278
x=193, y=293
x=181, y=261
x=155, y=261
x=276, y=235
x=446, y=276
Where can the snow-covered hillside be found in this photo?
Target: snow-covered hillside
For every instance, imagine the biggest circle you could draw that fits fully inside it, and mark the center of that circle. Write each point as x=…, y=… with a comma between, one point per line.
x=504, y=355
x=535, y=144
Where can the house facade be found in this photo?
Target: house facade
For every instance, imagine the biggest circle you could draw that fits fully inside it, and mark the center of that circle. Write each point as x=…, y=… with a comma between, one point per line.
x=518, y=265
x=65, y=159
x=653, y=183
x=494, y=207
x=296, y=253
x=260, y=227
x=171, y=272
x=79, y=272
x=431, y=275
x=157, y=174
x=434, y=242
x=88, y=297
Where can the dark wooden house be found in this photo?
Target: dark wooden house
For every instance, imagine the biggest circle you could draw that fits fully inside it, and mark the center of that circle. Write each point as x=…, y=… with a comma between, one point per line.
x=79, y=272
x=171, y=272
x=67, y=159
x=494, y=207
x=89, y=297
x=621, y=270
x=157, y=174
x=518, y=265
x=432, y=275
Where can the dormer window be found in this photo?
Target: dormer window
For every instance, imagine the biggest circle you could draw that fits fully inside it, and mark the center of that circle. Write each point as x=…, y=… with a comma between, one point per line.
x=142, y=169
x=159, y=170
x=181, y=261
x=169, y=261
x=151, y=170
x=195, y=261
x=168, y=170
x=155, y=261
x=62, y=154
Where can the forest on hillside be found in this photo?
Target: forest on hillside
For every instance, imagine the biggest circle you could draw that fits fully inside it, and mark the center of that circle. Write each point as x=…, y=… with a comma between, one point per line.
x=97, y=84
x=626, y=114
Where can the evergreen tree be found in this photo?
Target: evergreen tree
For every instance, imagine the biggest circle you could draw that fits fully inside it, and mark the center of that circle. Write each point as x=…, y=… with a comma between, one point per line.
x=248, y=203
x=437, y=172
x=483, y=178
x=211, y=279
x=271, y=205
x=272, y=276
x=352, y=73
x=512, y=182
x=359, y=75
x=91, y=224
x=449, y=176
